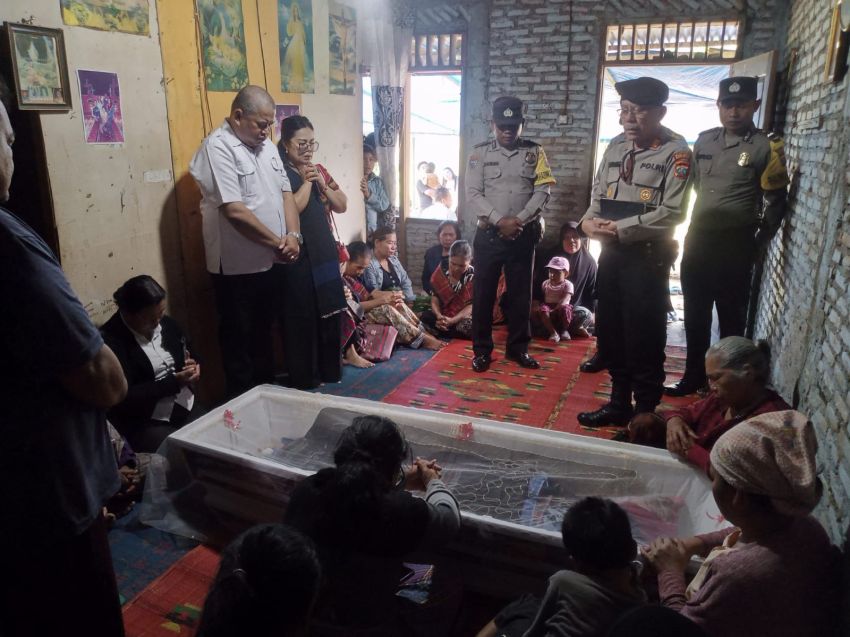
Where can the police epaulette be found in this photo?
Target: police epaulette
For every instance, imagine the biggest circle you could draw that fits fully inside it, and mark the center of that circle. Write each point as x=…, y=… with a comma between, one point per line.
x=483, y=144
x=710, y=130
x=774, y=136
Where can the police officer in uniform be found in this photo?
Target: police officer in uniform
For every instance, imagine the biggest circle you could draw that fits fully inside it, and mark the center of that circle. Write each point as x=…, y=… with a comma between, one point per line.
x=646, y=172
x=507, y=187
x=740, y=181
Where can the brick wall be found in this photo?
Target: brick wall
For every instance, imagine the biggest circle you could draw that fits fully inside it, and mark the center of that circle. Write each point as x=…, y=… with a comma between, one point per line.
x=421, y=235
x=531, y=42
x=805, y=304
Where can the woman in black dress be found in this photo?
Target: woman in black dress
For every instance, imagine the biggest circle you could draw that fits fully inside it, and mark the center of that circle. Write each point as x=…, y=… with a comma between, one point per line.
x=313, y=294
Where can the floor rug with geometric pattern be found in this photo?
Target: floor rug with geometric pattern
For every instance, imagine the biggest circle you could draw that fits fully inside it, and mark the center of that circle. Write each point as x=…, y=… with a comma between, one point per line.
x=549, y=397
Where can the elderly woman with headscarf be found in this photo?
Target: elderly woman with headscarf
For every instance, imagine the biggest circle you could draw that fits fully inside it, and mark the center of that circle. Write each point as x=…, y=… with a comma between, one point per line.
x=776, y=572
x=738, y=374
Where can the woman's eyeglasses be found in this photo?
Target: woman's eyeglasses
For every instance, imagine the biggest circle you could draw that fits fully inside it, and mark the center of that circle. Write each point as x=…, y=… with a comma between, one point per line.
x=302, y=146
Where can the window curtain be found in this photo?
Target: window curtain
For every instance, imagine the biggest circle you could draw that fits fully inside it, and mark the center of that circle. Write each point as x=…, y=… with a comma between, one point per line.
x=386, y=28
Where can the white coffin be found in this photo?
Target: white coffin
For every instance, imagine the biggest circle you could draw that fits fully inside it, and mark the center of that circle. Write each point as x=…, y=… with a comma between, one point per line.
x=230, y=452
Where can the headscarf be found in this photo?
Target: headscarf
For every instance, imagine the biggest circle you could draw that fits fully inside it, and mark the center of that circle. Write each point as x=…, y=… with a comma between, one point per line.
x=774, y=455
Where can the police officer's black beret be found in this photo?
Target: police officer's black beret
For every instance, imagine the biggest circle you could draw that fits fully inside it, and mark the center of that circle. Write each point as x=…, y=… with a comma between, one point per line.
x=740, y=88
x=643, y=91
x=507, y=110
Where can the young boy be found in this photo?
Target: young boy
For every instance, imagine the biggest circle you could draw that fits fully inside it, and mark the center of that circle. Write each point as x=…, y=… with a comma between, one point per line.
x=599, y=585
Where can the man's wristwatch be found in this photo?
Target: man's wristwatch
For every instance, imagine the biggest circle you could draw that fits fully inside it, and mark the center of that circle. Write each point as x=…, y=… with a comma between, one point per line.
x=298, y=237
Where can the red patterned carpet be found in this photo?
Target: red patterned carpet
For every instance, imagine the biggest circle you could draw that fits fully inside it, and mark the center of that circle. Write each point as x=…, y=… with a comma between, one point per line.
x=171, y=604
x=549, y=397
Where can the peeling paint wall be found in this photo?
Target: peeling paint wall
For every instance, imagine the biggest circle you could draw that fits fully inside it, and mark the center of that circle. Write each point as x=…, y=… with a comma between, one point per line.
x=114, y=206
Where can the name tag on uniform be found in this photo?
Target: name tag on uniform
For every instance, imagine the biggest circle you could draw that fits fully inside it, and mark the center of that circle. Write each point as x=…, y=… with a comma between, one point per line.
x=491, y=163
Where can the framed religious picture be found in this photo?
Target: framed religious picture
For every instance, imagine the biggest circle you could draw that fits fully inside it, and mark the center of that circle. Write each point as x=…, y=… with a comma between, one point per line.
x=39, y=67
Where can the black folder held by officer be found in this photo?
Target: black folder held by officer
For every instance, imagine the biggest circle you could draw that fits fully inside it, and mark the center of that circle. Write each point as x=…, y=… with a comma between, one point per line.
x=507, y=187
x=638, y=197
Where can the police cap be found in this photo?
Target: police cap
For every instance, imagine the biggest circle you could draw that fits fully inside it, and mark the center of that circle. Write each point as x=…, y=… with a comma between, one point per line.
x=739, y=88
x=643, y=91
x=507, y=110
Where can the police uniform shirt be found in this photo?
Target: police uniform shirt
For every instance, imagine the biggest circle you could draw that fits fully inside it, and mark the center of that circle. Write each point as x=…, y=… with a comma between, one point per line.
x=505, y=183
x=228, y=171
x=731, y=174
x=658, y=176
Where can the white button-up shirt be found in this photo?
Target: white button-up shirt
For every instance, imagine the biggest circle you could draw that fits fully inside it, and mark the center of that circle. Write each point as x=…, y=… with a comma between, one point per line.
x=228, y=171
x=163, y=365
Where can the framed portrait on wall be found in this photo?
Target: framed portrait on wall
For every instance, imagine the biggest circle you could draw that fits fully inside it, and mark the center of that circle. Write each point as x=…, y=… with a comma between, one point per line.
x=39, y=67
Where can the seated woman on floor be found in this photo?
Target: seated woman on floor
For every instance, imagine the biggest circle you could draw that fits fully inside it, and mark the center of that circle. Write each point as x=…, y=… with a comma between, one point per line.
x=267, y=583
x=160, y=370
x=737, y=370
x=776, y=573
x=582, y=273
x=451, y=297
x=437, y=256
x=600, y=584
x=384, y=307
x=385, y=271
x=364, y=521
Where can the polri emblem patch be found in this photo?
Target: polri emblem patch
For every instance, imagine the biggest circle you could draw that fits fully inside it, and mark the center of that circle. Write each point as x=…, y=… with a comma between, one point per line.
x=744, y=159
x=531, y=158
x=645, y=194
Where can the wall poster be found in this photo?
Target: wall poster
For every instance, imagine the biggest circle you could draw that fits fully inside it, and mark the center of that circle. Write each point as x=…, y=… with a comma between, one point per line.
x=100, y=100
x=223, y=43
x=281, y=112
x=342, y=36
x=295, y=27
x=128, y=16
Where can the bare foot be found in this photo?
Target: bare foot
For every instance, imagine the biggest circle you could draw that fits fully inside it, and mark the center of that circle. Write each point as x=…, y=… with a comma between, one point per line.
x=356, y=360
x=565, y=336
x=581, y=332
x=431, y=342
x=554, y=337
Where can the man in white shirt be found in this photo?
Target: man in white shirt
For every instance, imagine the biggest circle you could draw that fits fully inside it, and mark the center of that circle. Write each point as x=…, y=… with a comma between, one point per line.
x=251, y=228
x=441, y=208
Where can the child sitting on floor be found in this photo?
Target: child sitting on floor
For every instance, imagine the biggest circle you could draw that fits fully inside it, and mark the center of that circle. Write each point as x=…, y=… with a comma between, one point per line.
x=555, y=313
x=600, y=585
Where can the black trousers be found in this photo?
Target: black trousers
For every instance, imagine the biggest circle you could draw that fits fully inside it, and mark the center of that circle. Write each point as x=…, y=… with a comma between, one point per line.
x=65, y=587
x=492, y=254
x=716, y=270
x=631, y=318
x=246, y=305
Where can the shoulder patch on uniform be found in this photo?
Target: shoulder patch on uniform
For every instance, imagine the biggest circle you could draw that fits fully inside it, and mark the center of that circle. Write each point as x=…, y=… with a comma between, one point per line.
x=482, y=144
x=710, y=131
x=681, y=164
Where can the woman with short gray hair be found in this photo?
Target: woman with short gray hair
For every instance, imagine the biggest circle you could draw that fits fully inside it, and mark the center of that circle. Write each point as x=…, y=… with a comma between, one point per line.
x=738, y=372
x=451, y=294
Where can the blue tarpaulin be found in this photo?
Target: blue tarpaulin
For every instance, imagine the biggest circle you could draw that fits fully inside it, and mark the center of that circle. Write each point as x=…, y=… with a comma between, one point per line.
x=691, y=107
